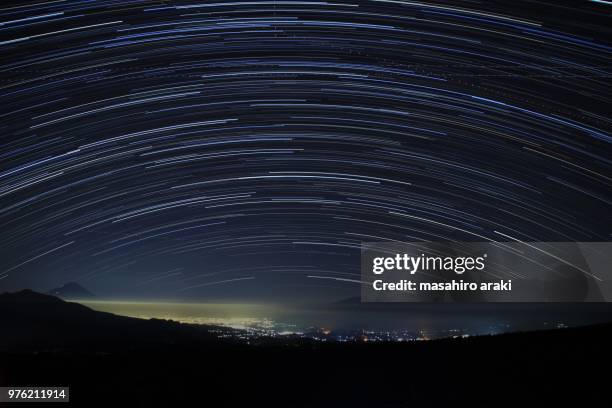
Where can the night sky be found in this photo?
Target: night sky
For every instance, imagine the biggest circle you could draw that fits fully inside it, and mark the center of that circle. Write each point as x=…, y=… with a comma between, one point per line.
x=244, y=150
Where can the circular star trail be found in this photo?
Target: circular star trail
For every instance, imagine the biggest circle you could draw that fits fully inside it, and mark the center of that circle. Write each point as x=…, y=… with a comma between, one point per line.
x=246, y=149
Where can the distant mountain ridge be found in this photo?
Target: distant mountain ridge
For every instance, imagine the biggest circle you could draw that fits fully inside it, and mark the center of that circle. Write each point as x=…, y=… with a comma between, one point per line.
x=71, y=290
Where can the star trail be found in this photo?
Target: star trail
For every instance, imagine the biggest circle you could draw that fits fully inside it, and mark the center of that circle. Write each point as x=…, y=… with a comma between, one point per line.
x=247, y=149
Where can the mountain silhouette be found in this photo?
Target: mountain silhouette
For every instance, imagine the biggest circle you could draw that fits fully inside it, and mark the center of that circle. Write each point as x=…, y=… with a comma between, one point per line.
x=71, y=290
x=35, y=321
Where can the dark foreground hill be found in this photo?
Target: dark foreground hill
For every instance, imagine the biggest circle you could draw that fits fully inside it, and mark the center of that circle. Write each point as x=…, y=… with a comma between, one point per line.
x=146, y=363
x=32, y=321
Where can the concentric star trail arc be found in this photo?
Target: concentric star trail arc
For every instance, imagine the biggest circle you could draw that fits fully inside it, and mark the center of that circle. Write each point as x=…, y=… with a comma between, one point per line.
x=208, y=148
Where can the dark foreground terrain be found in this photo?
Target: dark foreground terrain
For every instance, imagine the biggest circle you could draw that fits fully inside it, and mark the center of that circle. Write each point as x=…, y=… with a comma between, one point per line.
x=107, y=359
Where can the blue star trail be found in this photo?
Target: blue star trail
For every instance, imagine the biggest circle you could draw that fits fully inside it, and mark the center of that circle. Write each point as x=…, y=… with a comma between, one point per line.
x=247, y=149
